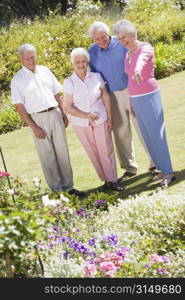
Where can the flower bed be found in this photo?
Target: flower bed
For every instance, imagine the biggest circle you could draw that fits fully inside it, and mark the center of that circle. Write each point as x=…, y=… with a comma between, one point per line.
x=46, y=234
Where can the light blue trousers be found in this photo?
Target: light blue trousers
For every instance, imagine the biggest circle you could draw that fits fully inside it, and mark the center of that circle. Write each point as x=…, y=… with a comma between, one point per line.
x=149, y=114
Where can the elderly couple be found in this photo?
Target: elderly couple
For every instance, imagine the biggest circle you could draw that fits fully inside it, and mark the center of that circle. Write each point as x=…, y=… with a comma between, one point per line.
x=97, y=102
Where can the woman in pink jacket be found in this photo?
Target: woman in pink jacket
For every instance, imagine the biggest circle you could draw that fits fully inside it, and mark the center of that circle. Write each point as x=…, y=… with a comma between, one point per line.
x=145, y=98
x=87, y=101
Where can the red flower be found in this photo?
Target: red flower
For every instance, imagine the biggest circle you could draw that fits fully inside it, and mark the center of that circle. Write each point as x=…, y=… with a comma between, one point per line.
x=4, y=174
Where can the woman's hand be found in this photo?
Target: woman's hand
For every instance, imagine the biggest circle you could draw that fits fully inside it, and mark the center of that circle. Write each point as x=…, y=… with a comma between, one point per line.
x=137, y=77
x=93, y=116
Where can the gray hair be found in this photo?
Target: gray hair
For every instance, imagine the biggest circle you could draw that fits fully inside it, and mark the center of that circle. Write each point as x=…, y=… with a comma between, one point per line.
x=25, y=48
x=79, y=51
x=125, y=26
x=98, y=26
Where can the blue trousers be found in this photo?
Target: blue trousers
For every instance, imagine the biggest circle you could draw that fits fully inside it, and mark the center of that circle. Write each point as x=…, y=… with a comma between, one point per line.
x=149, y=114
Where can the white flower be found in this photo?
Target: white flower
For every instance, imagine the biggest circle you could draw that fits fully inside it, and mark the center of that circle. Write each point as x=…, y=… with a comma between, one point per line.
x=36, y=181
x=49, y=203
x=64, y=199
x=10, y=191
x=70, y=211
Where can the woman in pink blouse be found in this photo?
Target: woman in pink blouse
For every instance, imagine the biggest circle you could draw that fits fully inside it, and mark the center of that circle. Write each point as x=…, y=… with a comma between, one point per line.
x=87, y=101
x=145, y=98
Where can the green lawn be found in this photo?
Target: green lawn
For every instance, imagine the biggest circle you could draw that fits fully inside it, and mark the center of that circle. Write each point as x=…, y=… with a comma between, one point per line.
x=21, y=157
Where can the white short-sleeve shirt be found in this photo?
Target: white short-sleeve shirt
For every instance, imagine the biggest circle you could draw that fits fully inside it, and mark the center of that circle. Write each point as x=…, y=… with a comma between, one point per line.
x=35, y=90
x=86, y=97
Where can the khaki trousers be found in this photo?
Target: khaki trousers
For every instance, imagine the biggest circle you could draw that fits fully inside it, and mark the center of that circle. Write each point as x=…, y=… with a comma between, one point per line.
x=53, y=150
x=122, y=130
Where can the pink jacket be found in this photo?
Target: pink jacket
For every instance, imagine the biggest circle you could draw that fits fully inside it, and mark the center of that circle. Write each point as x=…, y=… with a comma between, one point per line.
x=142, y=60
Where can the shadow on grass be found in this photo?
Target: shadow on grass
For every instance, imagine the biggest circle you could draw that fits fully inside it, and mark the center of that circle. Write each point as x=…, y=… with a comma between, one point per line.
x=139, y=184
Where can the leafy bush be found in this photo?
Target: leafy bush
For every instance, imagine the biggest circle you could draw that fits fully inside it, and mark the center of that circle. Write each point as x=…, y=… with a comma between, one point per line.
x=55, y=36
x=20, y=228
x=9, y=120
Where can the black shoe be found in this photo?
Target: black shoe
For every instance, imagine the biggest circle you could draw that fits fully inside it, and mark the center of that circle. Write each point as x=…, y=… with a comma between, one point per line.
x=107, y=185
x=76, y=193
x=126, y=176
x=116, y=186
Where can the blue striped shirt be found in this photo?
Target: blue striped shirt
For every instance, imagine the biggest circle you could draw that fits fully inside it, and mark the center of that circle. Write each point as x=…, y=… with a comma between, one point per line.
x=110, y=64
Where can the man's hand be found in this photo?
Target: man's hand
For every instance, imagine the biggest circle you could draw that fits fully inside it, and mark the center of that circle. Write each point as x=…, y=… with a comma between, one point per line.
x=39, y=132
x=65, y=120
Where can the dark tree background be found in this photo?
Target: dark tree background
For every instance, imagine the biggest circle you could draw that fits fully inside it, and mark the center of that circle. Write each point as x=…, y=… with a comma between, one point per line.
x=11, y=9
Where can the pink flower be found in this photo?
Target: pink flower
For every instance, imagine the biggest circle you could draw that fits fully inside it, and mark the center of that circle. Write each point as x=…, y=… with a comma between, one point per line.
x=108, y=268
x=104, y=257
x=30, y=256
x=161, y=271
x=90, y=270
x=155, y=258
x=117, y=259
x=4, y=174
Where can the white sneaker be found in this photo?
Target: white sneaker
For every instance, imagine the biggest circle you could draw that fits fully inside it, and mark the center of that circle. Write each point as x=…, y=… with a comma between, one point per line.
x=167, y=179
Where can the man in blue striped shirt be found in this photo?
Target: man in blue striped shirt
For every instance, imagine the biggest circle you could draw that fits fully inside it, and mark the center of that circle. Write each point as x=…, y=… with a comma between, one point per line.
x=107, y=58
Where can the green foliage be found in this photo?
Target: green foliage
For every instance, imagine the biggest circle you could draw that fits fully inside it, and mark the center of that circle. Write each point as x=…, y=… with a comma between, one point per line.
x=9, y=120
x=20, y=228
x=166, y=23
x=169, y=59
x=91, y=200
x=55, y=36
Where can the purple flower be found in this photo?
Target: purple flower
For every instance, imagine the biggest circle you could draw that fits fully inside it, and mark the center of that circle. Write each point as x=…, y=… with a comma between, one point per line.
x=147, y=265
x=96, y=203
x=63, y=239
x=50, y=245
x=67, y=254
x=55, y=228
x=112, y=239
x=41, y=245
x=80, y=212
x=91, y=242
x=161, y=271
x=53, y=236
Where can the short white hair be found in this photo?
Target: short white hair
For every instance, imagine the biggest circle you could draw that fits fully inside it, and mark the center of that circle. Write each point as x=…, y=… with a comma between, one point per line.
x=125, y=26
x=25, y=48
x=98, y=26
x=79, y=51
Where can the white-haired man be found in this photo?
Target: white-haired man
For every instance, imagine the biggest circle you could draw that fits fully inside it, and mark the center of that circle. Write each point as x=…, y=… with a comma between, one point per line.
x=36, y=94
x=107, y=57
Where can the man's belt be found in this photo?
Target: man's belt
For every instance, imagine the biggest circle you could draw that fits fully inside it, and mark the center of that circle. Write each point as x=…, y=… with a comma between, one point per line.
x=48, y=109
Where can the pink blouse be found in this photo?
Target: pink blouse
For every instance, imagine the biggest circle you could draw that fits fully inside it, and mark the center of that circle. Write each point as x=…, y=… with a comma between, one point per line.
x=142, y=60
